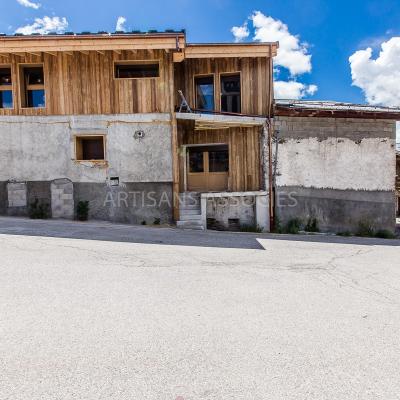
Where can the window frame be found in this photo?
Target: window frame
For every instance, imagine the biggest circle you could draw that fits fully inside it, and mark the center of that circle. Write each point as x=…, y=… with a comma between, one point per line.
x=9, y=66
x=213, y=74
x=90, y=135
x=136, y=62
x=23, y=88
x=221, y=75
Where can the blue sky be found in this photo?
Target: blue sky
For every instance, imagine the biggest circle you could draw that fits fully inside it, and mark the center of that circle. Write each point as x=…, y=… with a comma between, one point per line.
x=333, y=31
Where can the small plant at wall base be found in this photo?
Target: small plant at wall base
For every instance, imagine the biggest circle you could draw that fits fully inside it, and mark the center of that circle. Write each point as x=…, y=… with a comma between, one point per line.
x=312, y=225
x=82, y=211
x=385, y=234
x=39, y=210
x=251, y=228
x=365, y=228
x=293, y=226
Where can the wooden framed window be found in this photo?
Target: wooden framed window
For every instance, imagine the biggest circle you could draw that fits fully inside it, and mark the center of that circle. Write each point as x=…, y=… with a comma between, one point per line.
x=204, y=91
x=32, y=86
x=231, y=93
x=136, y=69
x=6, y=91
x=90, y=148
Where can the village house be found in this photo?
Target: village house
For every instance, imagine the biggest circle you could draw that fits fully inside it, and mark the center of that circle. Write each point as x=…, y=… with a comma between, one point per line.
x=151, y=129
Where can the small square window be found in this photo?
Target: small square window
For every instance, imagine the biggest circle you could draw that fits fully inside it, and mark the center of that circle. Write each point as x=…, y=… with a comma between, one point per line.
x=136, y=70
x=6, y=93
x=89, y=148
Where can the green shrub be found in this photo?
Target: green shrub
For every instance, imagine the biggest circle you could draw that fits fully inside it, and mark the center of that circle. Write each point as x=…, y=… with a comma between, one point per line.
x=344, y=233
x=312, y=225
x=277, y=228
x=143, y=223
x=365, y=229
x=82, y=211
x=385, y=234
x=157, y=221
x=293, y=226
x=39, y=210
x=250, y=228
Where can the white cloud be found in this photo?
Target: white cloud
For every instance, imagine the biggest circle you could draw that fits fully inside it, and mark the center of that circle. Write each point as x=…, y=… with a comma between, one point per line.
x=240, y=32
x=292, y=53
x=293, y=90
x=29, y=4
x=44, y=25
x=378, y=78
x=120, y=24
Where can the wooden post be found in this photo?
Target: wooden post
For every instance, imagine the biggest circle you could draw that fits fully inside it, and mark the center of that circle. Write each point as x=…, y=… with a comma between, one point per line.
x=174, y=141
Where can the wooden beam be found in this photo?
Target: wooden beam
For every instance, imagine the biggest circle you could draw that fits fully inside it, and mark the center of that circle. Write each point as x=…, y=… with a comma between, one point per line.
x=231, y=50
x=52, y=53
x=86, y=53
x=117, y=52
x=87, y=43
x=103, y=53
x=178, y=56
x=37, y=54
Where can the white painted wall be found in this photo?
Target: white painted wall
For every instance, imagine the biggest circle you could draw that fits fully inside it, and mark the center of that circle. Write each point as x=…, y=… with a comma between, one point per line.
x=337, y=163
x=42, y=148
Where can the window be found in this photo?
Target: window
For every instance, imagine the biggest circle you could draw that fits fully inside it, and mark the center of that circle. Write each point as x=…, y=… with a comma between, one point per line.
x=204, y=93
x=135, y=70
x=33, y=95
x=230, y=93
x=218, y=159
x=89, y=148
x=6, y=95
x=196, y=160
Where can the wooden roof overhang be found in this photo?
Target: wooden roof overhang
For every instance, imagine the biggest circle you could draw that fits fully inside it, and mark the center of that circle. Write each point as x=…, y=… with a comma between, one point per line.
x=227, y=50
x=220, y=121
x=91, y=42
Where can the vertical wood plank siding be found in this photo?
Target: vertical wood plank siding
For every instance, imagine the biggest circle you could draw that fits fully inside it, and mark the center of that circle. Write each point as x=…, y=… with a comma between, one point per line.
x=255, y=80
x=84, y=84
x=244, y=153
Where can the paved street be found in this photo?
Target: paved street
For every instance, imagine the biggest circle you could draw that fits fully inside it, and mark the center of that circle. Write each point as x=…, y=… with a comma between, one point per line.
x=100, y=311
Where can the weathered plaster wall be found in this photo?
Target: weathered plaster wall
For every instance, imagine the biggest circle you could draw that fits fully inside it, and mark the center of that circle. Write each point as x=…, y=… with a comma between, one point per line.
x=338, y=170
x=42, y=148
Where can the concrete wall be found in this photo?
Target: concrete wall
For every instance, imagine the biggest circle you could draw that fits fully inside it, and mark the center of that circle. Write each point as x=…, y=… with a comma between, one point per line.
x=337, y=170
x=39, y=150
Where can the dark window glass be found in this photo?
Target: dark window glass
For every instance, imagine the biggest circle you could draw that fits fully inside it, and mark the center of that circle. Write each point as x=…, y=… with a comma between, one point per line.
x=205, y=93
x=127, y=71
x=5, y=77
x=230, y=94
x=34, y=95
x=36, y=98
x=34, y=76
x=196, y=160
x=92, y=149
x=218, y=160
x=6, y=99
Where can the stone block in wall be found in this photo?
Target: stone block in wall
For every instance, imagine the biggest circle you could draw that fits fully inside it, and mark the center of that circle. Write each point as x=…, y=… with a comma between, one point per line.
x=62, y=199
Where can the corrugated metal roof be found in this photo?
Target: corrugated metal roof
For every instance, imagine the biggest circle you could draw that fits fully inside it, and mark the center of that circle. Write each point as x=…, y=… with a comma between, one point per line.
x=100, y=33
x=333, y=105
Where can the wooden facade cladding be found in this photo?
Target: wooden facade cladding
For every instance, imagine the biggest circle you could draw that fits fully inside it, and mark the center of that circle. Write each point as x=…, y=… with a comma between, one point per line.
x=84, y=83
x=244, y=153
x=255, y=74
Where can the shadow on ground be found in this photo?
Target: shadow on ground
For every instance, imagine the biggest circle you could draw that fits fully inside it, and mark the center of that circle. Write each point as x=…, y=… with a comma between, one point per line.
x=105, y=231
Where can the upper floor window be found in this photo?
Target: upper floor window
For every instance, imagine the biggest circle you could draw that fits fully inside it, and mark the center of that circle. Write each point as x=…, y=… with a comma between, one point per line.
x=137, y=70
x=204, y=87
x=230, y=93
x=33, y=92
x=6, y=94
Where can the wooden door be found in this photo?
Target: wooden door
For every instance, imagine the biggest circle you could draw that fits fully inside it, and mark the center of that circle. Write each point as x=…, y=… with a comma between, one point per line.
x=208, y=168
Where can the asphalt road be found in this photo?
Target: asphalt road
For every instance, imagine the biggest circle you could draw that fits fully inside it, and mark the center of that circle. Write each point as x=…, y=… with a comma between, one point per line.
x=96, y=311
